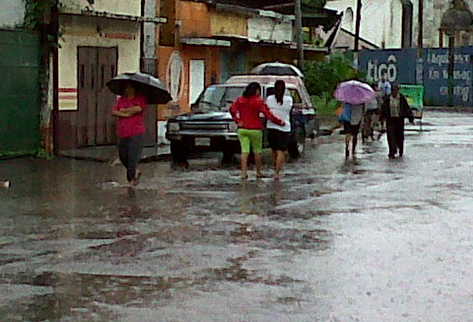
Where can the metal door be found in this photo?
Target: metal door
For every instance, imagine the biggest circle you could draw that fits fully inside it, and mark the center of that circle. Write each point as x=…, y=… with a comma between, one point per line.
x=96, y=66
x=19, y=92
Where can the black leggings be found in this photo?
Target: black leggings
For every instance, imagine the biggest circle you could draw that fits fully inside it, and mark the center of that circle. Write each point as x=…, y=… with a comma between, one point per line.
x=129, y=151
x=395, y=131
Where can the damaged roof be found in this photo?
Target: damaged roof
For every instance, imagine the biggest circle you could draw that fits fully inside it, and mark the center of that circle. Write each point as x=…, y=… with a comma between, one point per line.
x=311, y=16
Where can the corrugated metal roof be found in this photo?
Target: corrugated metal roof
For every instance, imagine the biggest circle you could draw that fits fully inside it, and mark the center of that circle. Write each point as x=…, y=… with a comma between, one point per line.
x=312, y=16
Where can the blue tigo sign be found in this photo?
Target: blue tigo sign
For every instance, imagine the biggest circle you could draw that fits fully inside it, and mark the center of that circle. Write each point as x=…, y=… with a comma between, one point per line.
x=399, y=66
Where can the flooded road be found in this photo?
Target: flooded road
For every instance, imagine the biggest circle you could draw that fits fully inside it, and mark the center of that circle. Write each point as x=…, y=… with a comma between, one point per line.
x=370, y=240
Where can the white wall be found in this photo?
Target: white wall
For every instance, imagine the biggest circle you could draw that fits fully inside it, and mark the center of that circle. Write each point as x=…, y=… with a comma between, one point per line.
x=264, y=28
x=381, y=20
x=83, y=31
x=12, y=13
x=125, y=7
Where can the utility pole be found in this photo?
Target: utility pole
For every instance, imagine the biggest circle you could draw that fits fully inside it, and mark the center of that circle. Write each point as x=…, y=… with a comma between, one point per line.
x=358, y=23
x=54, y=30
x=451, y=66
x=420, y=36
x=299, y=38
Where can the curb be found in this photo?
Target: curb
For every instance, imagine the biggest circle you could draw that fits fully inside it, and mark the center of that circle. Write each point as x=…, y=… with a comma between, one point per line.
x=453, y=109
x=145, y=159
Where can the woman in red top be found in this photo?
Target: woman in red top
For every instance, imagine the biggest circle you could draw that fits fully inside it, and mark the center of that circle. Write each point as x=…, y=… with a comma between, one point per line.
x=246, y=112
x=130, y=129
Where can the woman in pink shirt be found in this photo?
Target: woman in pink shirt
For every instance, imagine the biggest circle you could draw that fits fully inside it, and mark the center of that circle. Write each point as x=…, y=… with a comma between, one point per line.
x=130, y=130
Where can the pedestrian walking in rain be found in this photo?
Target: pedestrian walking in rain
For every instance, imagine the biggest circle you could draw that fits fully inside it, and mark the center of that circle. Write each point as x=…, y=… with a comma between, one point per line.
x=394, y=110
x=136, y=91
x=354, y=94
x=371, y=116
x=378, y=122
x=246, y=112
x=130, y=130
x=384, y=85
x=279, y=136
x=352, y=127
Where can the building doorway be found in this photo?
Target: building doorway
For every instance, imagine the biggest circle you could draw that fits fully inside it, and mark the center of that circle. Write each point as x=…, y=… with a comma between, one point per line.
x=196, y=79
x=95, y=124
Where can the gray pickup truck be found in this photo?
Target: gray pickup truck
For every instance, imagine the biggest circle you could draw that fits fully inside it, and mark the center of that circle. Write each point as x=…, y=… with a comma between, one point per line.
x=209, y=126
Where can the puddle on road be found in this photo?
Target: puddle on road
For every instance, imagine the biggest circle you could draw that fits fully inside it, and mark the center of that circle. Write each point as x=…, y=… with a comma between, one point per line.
x=77, y=295
x=281, y=238
x=105, y=234
x=236, y=273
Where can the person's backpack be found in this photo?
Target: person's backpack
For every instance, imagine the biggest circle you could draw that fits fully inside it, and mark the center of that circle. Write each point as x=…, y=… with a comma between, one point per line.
x=346, y=113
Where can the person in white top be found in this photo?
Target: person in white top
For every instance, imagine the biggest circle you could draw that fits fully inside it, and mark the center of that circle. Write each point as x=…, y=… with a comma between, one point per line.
x=384, y=85
x=279, y=136
x=371, y=116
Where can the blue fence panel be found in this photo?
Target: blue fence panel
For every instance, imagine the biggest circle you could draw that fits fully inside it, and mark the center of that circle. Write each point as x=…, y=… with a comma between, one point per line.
x=435, y=77
x=399, y=64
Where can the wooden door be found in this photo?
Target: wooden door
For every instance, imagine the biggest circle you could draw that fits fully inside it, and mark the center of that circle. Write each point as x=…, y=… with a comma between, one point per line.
x=87, y=96
x=105, y=123
x=96, y=66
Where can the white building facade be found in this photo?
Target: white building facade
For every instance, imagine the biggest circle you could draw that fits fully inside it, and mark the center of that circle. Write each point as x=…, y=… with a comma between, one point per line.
x=12, y=13
x=395, y=24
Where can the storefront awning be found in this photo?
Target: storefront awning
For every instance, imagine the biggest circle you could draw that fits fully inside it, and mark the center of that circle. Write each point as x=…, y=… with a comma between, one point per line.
x=108, y=15
x=268, y=43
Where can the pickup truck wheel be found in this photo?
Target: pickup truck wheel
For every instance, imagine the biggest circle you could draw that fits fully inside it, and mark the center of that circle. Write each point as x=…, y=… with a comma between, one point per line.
x=178, y=155
x=228, y=158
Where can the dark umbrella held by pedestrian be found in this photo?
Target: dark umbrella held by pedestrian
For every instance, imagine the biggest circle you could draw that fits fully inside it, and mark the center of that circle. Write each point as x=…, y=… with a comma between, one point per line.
x=136, y=91
x=147, y=85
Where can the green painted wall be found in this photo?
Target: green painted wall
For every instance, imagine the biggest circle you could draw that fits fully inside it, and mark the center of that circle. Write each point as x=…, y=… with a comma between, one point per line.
x=19, y=92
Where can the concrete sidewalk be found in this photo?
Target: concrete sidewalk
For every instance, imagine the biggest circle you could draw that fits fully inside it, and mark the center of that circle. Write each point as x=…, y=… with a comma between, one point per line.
x=451, y=109
x=109, y=153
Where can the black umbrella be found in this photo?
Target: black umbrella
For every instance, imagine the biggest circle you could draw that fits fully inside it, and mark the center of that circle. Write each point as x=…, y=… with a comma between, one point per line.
x=145, y=84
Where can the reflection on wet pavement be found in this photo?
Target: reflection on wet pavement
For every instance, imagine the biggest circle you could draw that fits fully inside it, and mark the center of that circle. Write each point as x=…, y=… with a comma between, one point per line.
x=365, y=240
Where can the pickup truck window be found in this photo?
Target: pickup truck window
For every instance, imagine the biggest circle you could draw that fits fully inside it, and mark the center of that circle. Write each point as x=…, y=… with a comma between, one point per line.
x=296, y=98
x=218, y=98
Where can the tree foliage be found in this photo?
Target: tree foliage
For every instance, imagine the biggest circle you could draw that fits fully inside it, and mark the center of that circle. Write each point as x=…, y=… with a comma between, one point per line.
x=36, y=11
x=324, y=76
x=315, y=3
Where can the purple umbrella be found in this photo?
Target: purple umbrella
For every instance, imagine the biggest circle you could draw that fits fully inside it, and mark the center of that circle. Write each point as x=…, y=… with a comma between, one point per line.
x=354, y=92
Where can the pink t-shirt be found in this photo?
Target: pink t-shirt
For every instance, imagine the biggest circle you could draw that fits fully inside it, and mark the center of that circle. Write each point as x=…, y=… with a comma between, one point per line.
x=134, y=125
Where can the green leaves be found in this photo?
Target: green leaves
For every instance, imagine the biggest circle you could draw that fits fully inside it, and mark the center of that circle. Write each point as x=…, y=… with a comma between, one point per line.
x=36, y=11
x=315, y=3
x=325, y=104
x=324, y=76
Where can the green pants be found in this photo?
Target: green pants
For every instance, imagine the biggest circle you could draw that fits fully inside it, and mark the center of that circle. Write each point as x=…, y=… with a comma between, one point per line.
x=251, y=140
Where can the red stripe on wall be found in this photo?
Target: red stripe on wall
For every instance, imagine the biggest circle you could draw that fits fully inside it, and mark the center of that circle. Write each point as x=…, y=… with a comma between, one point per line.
x=68, y=97
x=68, y=90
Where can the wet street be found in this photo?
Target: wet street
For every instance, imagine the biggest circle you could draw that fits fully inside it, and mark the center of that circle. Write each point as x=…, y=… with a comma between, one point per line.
x=371, y=240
